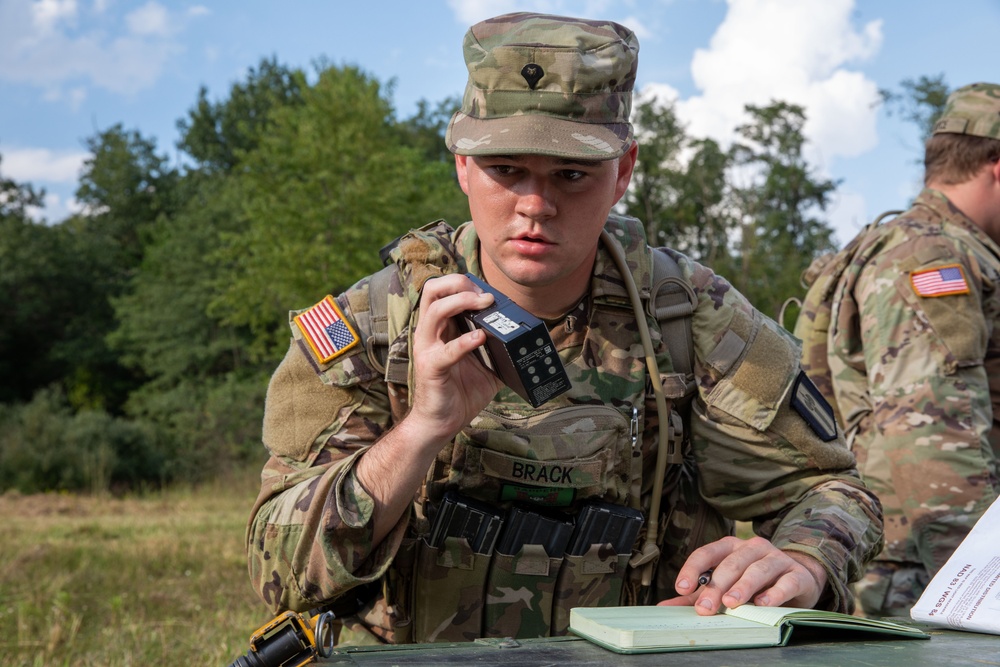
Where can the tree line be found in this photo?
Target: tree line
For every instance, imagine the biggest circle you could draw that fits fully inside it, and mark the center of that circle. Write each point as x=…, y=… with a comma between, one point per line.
x=137, y=337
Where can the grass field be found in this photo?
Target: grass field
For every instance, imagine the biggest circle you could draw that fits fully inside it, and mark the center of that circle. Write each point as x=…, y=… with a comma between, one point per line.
x=155, y=579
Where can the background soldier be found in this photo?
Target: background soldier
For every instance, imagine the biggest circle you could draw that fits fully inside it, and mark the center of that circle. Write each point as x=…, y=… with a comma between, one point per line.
x=913, y=353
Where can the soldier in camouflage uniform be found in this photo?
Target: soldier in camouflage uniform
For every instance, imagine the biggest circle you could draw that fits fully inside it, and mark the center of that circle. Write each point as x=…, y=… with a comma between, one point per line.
x=366, y=436
x=913, y=353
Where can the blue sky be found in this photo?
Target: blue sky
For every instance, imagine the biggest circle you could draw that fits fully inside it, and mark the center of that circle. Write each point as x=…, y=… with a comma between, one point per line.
x=70, y=68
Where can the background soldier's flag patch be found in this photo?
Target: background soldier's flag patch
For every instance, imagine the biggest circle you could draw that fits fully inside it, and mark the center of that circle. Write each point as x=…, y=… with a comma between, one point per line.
x=941, y=281
x=325, y=329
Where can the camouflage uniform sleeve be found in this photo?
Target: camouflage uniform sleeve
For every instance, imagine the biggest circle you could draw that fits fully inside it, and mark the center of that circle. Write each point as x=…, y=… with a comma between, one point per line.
x=924, y=447
x=758, y=458
x=309, y=539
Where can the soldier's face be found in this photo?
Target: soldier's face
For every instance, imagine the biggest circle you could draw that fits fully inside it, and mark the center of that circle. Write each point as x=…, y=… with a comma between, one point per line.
x=539, y=218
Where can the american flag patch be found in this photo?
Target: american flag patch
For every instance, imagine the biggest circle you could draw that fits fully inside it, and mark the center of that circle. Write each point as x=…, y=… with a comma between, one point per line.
x=325, y=329
x=941, y=281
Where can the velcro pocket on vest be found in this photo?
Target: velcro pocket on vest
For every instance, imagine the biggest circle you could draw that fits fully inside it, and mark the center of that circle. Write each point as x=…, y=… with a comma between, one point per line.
x=755, y=384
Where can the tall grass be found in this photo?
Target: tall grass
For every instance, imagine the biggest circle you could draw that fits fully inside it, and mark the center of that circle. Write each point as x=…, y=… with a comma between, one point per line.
x=151, y=579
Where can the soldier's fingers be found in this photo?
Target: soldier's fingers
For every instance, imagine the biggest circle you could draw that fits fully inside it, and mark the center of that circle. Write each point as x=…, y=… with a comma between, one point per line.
x=701, y=560
x=786, y=590
x=749, y=566
x=707, y=558
x=801, y=586
x=762, y=574
x=443, y=299
x=779, y=578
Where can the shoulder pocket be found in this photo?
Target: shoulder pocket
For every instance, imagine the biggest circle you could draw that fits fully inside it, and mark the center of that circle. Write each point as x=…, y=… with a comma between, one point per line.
x=299, y=406
x=756, y=382
x=956, y=318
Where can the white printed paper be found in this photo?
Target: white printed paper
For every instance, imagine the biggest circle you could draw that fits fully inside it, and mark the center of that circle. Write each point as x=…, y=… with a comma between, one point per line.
x=965, y=593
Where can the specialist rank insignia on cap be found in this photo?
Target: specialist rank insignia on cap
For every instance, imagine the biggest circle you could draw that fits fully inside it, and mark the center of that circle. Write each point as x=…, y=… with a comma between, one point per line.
x=326, y=330
x=940, y=281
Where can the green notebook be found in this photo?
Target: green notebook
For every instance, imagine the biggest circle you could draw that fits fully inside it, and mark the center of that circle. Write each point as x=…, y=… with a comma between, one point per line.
x=651, y=629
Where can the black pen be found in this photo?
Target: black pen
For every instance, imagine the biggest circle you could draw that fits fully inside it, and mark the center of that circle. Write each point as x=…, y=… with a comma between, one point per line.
x=705, y=577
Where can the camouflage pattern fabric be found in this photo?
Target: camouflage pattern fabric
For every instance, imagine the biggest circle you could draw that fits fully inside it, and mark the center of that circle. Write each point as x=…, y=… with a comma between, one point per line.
x=812, y=327
x=546, y=85
x=972, y=110
x=916, y=380
x=752, y=458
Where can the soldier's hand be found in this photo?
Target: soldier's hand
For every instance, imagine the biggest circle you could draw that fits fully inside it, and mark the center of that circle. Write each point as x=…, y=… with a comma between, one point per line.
x=451, y=385
x=744, y=571
x=450, y=388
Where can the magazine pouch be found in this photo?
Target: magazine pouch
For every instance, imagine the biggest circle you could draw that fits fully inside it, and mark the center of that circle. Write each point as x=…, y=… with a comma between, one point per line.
x=448, y=591
x=450, y=572
x=591, y=580
x=593, y=569
x=519, y=593
x=522, y=578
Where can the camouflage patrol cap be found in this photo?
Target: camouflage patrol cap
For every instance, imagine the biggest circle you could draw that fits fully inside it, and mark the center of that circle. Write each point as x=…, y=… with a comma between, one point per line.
x=974, y=110
x=546, y=85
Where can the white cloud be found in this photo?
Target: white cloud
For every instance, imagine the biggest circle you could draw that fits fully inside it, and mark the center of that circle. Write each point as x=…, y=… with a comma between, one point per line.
x=76, y=97
x=637, y=26
x=150, y=19
x=661, y=92
x=57, y=172
x=796, y=51
x=469, y=12
x=47, y=13
x=56, y=208
x=52, y=45
x=31, y=165
x=847, y=214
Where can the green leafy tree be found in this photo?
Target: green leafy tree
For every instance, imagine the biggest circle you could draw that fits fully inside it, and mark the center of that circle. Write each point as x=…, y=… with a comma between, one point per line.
x=425, y=130
x=679, y=185
x=217, y=134
x=201, y=390
x=177, y=267
x=124, y=188
x=164, y=329
x=33, y=270
x=54, y=311
x=17, y=199
x=654, y=193
x=701, y=203
x=329, y=185
x=920, y=101
x=777, y=197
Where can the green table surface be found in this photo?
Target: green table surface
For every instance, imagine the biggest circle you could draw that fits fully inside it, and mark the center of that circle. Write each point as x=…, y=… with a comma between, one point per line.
x=807, y=648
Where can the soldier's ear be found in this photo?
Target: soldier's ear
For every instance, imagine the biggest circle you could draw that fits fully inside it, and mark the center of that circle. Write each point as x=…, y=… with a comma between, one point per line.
x=626, y=165
x=461, y=166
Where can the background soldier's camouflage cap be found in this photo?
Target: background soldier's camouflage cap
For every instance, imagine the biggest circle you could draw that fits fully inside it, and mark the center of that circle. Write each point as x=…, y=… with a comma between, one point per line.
x=972, y=110
x=546, y=85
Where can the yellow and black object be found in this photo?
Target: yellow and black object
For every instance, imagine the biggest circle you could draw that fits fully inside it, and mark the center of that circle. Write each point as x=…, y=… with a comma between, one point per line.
x=290, y=640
